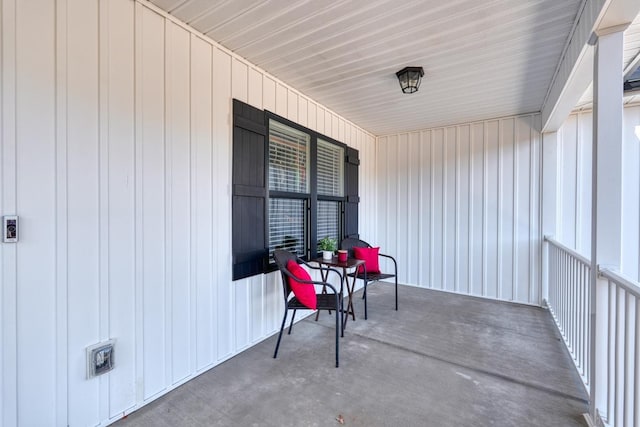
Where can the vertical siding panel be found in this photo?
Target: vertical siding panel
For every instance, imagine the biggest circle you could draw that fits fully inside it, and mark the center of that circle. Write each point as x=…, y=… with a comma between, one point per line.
x=425, y=210
x=630, y=193
x=178, y=202
x=523, y=222
x=292, y=105
x=312, y=116
x=281, y=100
x=257, y=314
x=8, y=196
x=335, y=127
x=303, y=109
x=393, y=179
x=535, y=238
x=62, y=243
x=585, y=131
x=255, y=88
x=328, y=123
x=274, y=305
x=438, y=208
x=239, y=80
x=450, y=214
x=269, y=94
x=150, y=81
x=476, y=209
x=463, y=206
x=414, y=201
x=83, y=202
x=222, y=195
x=117, y=116
x=201, y=202
x=320, y=120
x=492, y=208
x=241, y=324
x=382, y=188
x=567, y=179
x=401, y=205
x=35, y=195
x=257, y=291
x=507, y=211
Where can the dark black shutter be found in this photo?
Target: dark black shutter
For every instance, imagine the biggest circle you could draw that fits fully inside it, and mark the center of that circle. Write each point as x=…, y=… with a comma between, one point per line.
x=249, y=205
x=352, y=162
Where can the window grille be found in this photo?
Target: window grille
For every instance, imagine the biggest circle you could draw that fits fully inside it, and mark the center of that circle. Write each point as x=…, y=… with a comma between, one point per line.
x=328, y=219
x=330, y=169
x=288, y=159
x=287, y=225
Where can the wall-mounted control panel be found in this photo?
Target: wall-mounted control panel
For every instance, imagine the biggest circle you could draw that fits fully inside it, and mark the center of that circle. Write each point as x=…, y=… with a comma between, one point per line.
x=10, y=228
x=100, y=358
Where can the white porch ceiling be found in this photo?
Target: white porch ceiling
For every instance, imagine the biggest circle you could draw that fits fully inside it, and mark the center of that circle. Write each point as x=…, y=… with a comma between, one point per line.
x=482, y=59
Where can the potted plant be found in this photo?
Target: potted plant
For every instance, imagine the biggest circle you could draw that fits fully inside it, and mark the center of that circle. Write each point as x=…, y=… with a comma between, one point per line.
x=327, y=245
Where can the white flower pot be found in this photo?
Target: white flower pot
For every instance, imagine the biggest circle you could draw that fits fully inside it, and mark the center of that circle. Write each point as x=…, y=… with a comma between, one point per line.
x=327, y=254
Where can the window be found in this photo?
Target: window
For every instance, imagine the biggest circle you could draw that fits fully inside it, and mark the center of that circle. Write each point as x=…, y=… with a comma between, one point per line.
x=288, y=188
x=296, y=195
x=330, y=184
x=291, y=187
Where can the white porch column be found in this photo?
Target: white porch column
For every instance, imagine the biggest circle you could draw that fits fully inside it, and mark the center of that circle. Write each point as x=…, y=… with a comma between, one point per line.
x=549, y=201
x=606, y=197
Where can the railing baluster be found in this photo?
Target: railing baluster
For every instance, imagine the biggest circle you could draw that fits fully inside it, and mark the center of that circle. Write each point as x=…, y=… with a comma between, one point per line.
x=636, y=368
x=609, y=365
x=568, y=301
x=625, y=385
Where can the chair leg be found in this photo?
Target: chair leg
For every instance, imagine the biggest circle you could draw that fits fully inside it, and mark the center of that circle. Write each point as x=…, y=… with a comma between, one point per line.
x=338, y=327
x=341, y=310
x=293, y=316
x=364, y=295
x=396, y=293
x=284, y=320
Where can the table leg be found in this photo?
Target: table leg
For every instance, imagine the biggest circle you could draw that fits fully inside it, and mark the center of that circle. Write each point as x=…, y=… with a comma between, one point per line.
x=324, y=274
x=350, y=309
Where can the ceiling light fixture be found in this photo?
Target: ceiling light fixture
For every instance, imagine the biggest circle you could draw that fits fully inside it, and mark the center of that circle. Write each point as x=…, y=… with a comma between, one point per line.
x=410, y=78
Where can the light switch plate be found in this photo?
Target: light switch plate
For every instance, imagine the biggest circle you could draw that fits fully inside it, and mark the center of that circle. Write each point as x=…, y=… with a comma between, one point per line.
x=10, y=228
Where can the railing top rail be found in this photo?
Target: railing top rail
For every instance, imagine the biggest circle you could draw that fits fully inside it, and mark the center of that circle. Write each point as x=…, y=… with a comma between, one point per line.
x=628, y=285
x=568, y=250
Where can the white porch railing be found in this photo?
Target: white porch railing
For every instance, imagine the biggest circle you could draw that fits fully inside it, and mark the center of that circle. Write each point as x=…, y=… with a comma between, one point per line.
x=615, y=358
x=618, y=375
x=569, y=302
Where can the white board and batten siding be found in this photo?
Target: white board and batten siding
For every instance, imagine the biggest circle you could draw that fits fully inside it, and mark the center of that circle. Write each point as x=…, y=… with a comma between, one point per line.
x=459, y=206
x=116, y=155
x=573, y=221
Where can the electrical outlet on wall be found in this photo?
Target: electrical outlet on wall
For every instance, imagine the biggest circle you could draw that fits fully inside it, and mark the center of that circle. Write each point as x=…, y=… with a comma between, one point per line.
x=10, y=228
x=100, y=358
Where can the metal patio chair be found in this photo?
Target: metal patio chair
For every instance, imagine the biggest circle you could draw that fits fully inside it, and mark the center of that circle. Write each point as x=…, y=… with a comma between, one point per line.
x=331, y=300
x=348, y=244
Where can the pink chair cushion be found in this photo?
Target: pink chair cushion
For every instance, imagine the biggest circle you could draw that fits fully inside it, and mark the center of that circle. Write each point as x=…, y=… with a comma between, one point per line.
x=370, y=257
x=305, y=292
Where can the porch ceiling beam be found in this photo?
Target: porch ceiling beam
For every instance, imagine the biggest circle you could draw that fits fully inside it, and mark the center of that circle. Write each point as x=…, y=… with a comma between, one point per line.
x=575, y=71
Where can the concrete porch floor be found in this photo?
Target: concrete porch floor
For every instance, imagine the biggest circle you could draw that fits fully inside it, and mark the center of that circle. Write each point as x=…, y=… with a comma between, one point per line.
x=441, y=360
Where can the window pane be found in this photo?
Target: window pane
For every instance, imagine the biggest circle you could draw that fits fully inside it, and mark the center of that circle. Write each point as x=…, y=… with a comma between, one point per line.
x=288, y=159
x=329, y=220
x=287, y=225
x=330, y=169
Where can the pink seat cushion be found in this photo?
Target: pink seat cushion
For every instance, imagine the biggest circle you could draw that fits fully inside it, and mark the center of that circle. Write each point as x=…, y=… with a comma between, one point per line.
x=305, y=292
x=370, y=257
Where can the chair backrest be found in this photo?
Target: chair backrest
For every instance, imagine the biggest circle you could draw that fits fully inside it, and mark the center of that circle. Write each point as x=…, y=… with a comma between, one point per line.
x=281, y=258
x=349, y=243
